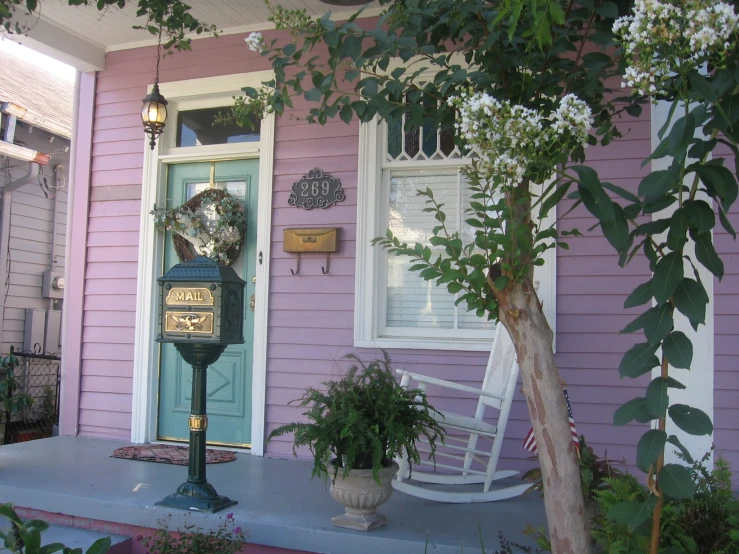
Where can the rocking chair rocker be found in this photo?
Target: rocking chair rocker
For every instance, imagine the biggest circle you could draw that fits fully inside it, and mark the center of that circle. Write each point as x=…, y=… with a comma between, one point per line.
x=497, y=392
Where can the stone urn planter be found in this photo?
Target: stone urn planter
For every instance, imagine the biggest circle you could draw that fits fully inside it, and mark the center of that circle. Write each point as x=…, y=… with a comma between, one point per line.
x=360, y=495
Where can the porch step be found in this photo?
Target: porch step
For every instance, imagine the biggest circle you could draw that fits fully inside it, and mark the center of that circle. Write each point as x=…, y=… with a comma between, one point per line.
x=81, y=538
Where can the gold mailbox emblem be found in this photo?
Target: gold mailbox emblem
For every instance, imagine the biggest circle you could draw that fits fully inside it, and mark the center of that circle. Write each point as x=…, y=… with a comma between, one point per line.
x=311, y=240
x=187, y=296
x=189, y=322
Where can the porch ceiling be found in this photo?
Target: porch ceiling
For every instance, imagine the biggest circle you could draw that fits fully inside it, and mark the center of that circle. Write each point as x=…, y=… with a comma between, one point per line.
x=81, y=35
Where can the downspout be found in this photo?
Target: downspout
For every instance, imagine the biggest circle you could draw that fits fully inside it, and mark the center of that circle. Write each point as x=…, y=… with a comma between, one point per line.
x=6, y=199
x=55, y=215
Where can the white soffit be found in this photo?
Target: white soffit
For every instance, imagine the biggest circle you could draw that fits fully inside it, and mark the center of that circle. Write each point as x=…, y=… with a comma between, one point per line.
x=81, y=35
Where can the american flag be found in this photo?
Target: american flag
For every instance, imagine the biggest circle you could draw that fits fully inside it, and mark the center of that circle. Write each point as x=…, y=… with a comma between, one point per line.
x=529, y=442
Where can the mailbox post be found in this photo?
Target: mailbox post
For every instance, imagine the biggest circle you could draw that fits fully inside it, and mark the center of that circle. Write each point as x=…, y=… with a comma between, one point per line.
x=201, y=311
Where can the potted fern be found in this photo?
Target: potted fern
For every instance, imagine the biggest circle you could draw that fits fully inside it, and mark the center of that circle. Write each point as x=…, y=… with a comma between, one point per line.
x=355, y=428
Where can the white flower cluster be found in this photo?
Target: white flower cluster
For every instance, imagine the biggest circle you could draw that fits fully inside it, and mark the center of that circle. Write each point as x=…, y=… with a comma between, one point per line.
x=255, y=42
x=711, y=27
x=663, y=38
x=512, y=140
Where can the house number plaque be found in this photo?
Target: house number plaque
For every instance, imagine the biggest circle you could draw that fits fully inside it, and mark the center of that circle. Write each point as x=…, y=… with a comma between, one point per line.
x=316, y=190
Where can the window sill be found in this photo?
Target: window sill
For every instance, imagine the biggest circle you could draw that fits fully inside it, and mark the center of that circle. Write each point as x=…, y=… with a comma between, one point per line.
x=471, y=345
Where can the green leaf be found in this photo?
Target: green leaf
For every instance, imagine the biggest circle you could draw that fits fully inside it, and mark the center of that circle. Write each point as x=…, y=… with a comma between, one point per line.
x=657, y=398
x=678, y=349
x=553, y=199
x=346, y=113
x=676, y=482
x=454, y=287
x=641, y=295
x=653, y=227
x=725, y=223
x=702, y=86
x=676, y=237
x=638, y=360
x=681, y=135
x=667, y=276
x=558, y=15
x=706, y=253
x=650, y=446
x=657, y=183
x=617, y=230
x=100, y=546
x=691, y=420
x=719, y=182
x=691, y=300
x=634, y=409
x=313, y=95
x=636, y=324
x=701, y=216
x=632, y=514
x=353, y=46
x=672, y=439
x=622, y=192
x=659, y=323
x=6, y=510
x=593, y=196
x=51, y=548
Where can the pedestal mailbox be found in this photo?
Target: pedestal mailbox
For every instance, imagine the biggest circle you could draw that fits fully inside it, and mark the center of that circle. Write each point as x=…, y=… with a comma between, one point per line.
x=201, y=311
x=201, y=302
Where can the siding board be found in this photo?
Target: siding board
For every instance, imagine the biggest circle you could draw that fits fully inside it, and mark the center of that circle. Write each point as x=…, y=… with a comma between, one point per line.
x=591, y=292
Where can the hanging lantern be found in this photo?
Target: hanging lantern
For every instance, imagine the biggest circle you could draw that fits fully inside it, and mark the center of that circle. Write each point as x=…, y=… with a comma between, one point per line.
x=154, y=114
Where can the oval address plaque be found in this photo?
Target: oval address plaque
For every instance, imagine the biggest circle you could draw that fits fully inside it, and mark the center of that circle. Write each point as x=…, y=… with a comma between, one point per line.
x=316, y=190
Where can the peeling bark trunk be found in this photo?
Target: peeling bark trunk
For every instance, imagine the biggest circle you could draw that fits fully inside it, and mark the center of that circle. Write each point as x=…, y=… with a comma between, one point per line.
x=521, y=314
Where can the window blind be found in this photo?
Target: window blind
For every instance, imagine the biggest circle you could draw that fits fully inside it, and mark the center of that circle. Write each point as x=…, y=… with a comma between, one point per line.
x=413, y=302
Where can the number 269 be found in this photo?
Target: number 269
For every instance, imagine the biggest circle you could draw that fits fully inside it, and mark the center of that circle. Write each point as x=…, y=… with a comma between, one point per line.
x=314, y=189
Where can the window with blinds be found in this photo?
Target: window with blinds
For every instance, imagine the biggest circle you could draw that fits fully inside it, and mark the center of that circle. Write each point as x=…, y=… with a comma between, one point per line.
x=394, y=307
x=418, y=159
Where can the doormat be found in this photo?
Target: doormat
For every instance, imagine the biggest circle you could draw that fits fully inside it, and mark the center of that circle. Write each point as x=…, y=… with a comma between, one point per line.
x=168, y=454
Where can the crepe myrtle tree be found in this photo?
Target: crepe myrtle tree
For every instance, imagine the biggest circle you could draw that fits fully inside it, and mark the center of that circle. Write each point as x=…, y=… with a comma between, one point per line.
x=684, y=53
x=522, y=83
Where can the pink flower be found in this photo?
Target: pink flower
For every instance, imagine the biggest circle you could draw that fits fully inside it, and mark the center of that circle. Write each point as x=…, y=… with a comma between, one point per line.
x=237, y=530
x=230, y=516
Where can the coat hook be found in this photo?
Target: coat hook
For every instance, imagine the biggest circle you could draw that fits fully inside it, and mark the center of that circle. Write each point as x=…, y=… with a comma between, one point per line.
x=328, y=262
x=297, y=267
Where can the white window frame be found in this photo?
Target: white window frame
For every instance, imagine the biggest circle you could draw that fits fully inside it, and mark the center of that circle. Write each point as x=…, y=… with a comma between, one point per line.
x=371, y=279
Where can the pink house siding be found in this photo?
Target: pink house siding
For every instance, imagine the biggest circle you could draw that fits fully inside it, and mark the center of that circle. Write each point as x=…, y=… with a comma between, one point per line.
x=726, y=342
x=311, y=315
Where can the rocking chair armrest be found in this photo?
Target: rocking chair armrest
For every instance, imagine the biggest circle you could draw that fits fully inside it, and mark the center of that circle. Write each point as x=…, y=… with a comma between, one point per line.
x=447, y=384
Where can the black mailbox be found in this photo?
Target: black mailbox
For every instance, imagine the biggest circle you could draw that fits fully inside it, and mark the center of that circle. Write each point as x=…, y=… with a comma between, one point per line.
x=201, y=301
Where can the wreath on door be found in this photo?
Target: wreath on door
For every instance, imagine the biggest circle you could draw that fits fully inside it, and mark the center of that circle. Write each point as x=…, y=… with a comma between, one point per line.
x=212, y=224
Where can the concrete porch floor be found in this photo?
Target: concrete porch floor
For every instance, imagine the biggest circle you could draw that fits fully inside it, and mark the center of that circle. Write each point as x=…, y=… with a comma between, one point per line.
x=278, y=504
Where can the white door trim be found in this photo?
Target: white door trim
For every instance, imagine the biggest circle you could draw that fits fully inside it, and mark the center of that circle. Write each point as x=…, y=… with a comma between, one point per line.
x=192, y=94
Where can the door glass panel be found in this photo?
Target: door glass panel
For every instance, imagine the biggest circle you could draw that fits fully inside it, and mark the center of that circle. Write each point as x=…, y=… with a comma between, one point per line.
x=236, y=189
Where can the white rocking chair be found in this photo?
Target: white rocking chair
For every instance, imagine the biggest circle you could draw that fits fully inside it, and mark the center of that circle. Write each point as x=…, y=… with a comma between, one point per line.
x=497, y=392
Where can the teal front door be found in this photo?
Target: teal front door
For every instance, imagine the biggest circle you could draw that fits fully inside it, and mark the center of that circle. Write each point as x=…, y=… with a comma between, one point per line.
x=230, y=378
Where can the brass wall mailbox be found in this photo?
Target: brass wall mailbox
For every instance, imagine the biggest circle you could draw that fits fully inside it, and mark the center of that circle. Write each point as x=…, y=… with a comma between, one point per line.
x=311, y=240
x=321, y=239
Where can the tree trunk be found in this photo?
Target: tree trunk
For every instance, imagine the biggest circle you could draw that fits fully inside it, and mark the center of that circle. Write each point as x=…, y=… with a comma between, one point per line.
x=521, y=314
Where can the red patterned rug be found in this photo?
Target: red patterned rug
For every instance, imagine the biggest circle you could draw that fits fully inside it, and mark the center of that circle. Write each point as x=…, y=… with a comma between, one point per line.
x=168, y=454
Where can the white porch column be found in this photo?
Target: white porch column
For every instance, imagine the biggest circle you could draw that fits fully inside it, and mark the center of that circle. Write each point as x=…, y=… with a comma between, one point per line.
x=699, y=379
